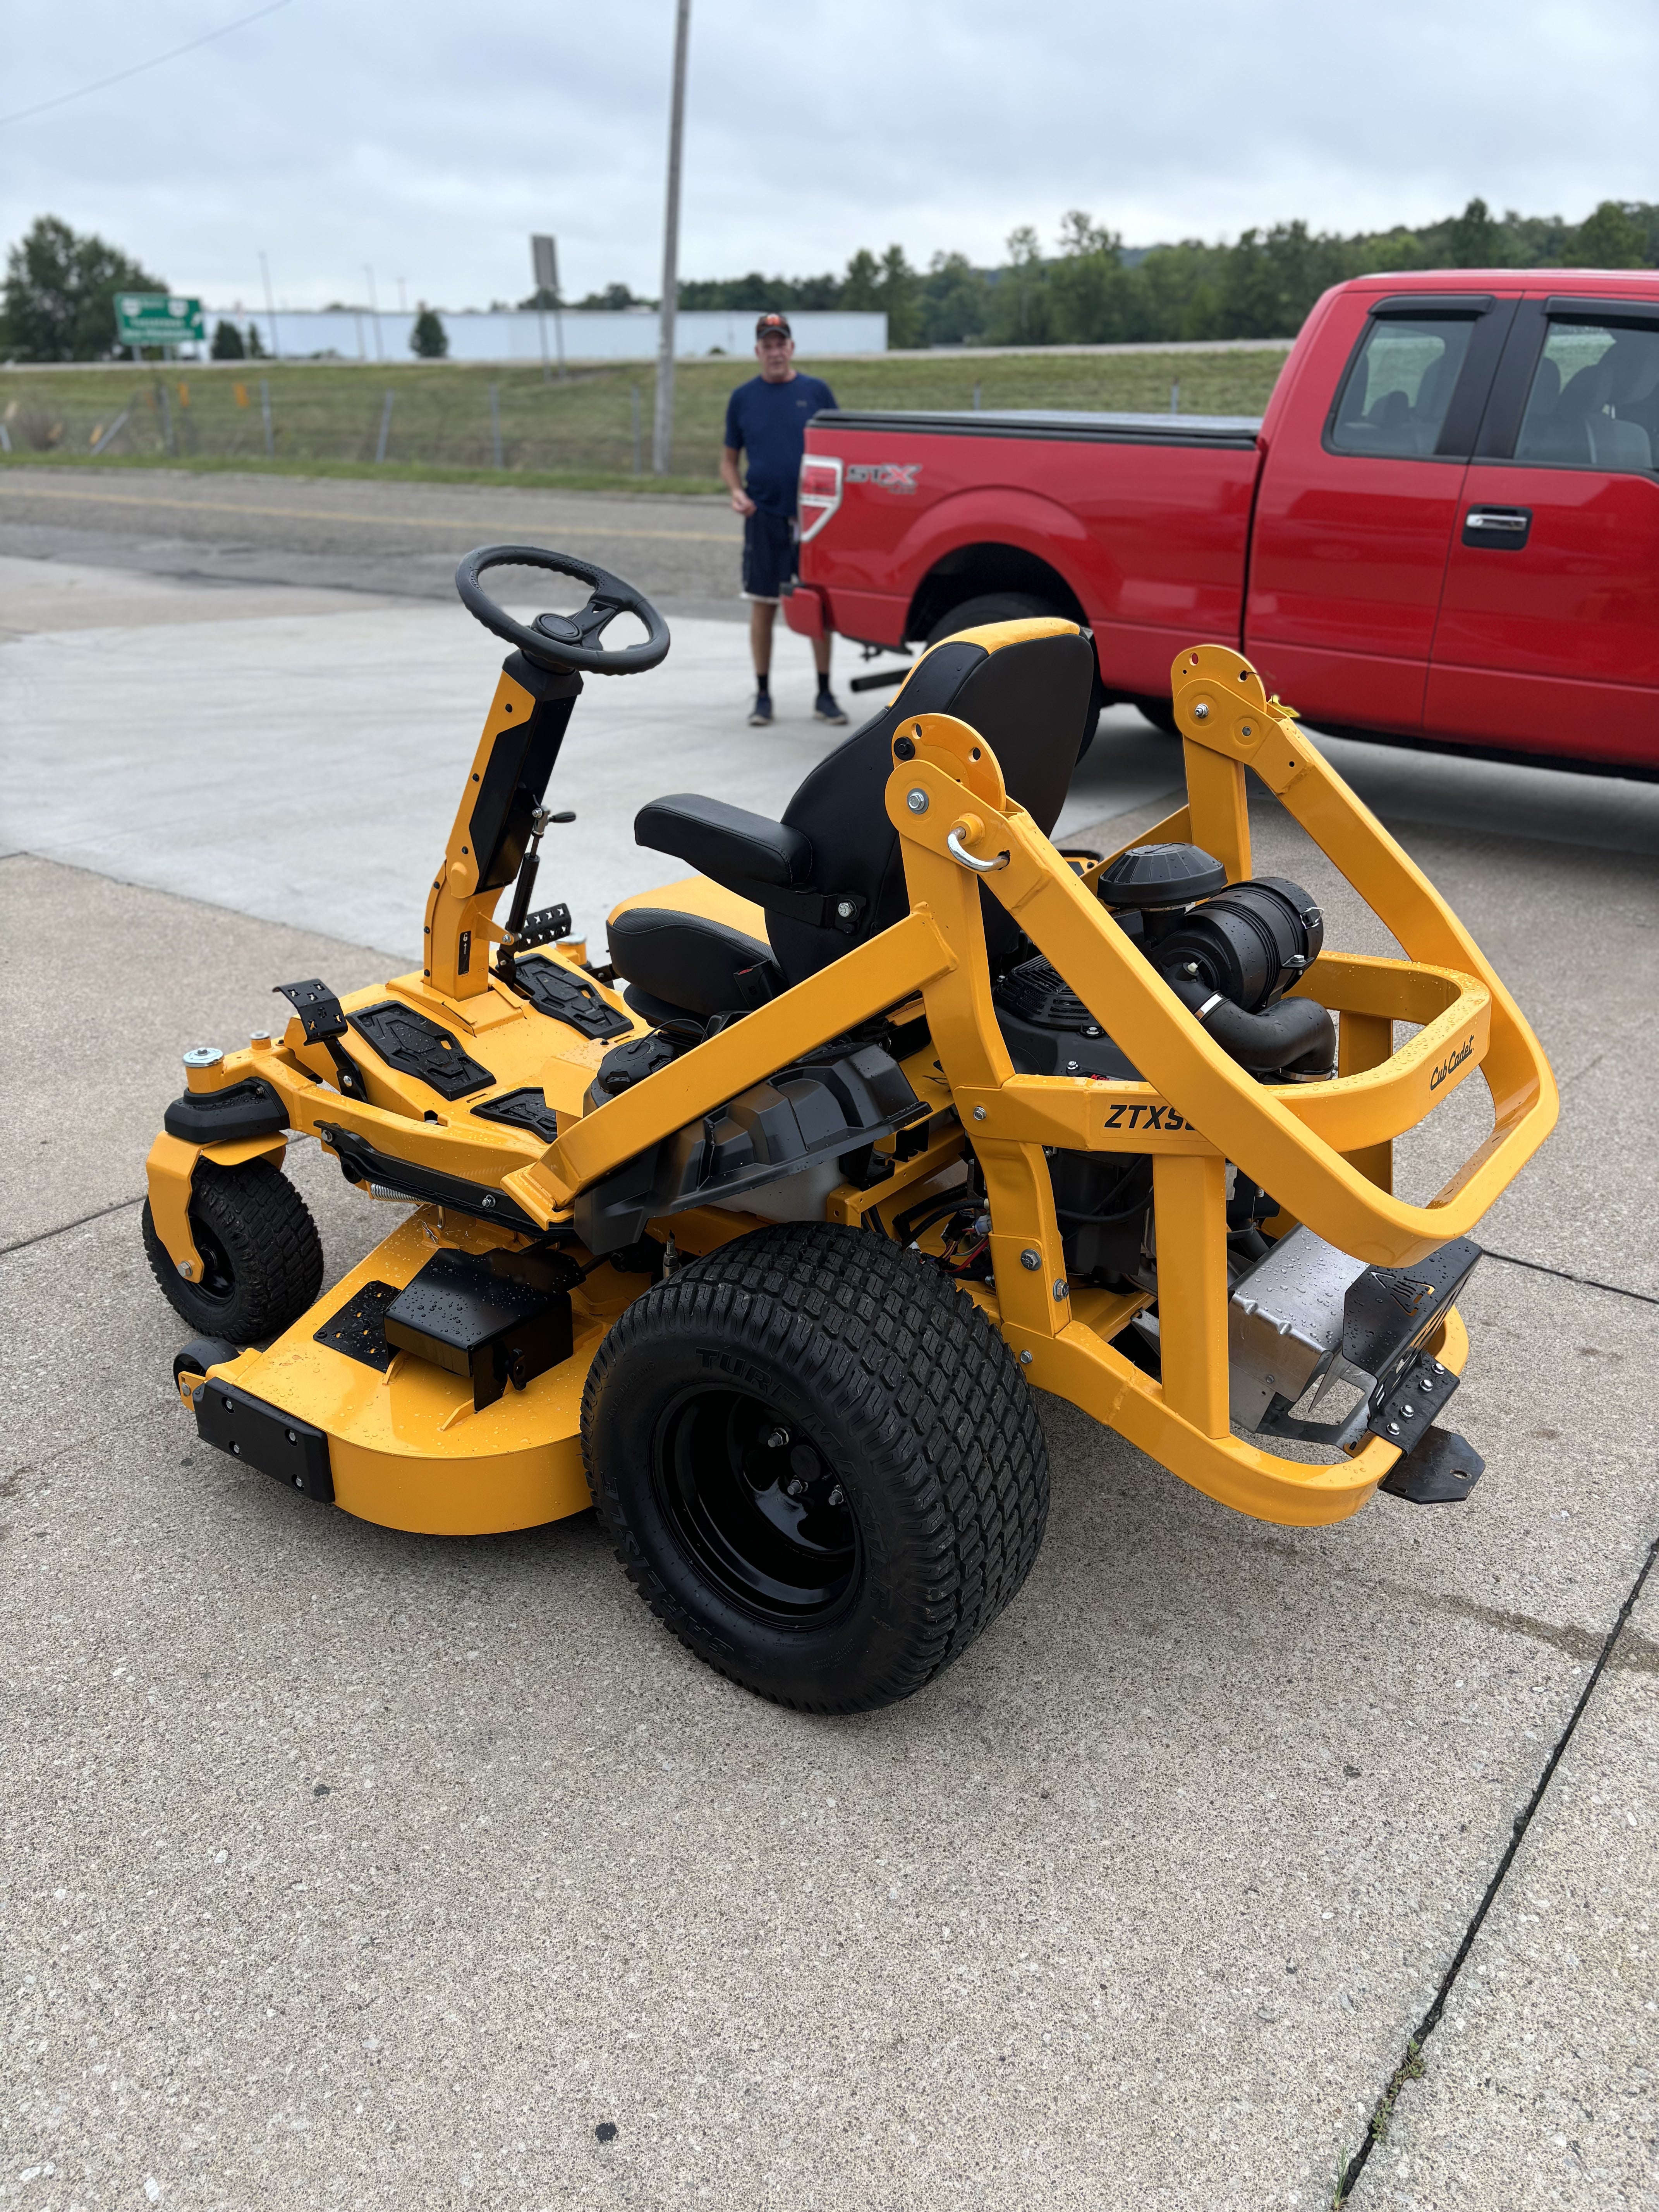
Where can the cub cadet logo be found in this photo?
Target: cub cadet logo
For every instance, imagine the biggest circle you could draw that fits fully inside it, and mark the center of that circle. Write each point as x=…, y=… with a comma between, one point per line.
x=1410, y=1294
x=886, y=476
x=1452, y=1062
x=1158, y=1117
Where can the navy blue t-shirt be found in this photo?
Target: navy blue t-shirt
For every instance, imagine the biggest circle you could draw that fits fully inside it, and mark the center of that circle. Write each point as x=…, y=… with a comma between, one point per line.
x=770, y=421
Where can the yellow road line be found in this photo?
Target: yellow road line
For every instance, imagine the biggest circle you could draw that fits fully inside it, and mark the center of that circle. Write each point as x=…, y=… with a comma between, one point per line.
x=336, y=514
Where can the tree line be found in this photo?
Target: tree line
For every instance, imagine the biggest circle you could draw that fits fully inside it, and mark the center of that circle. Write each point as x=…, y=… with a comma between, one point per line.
x=1090, y=289
x=58, y=302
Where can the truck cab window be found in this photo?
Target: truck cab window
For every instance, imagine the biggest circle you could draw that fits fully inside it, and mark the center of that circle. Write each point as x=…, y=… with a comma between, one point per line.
x=1594, y=399
x=1399, y=389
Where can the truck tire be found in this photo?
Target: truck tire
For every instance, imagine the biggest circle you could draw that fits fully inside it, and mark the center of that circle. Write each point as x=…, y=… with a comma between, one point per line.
x=1161, y=714
x=1017, y=606
x=818, y=1464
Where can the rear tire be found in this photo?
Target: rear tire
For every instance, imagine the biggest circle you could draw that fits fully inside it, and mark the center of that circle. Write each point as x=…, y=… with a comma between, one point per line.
x=818, y=1464
x=1017, y=606
x=263, y=1260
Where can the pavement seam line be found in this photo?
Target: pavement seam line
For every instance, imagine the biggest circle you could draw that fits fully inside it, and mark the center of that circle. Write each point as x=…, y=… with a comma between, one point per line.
x=1564, y=1275
x=64, y=1227
x=1417, y=2041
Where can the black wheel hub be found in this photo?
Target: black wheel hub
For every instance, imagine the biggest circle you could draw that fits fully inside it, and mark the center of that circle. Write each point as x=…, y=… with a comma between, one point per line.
x=757, y=1504
x=218, y=1278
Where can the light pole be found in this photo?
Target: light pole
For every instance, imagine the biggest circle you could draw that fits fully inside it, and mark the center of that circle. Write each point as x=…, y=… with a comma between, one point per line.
x=374, y=312
x=271, y=307
x=662, y=441
x=544, y=268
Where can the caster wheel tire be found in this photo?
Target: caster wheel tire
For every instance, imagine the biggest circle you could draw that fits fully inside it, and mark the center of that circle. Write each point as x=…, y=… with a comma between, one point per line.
x=818, y=1464
x=201, y=1353
x=263, y=1260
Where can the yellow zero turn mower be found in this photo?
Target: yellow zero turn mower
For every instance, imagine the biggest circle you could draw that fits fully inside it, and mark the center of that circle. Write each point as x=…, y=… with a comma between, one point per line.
x=756, y=1237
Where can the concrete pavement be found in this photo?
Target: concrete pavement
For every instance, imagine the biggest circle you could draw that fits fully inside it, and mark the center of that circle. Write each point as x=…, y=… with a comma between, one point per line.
x=1540, y=2085
x=354, y=1867
x=306, y=767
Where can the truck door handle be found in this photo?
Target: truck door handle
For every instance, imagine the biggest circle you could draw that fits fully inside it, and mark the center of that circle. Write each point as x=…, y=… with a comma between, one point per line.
x=1505, y=527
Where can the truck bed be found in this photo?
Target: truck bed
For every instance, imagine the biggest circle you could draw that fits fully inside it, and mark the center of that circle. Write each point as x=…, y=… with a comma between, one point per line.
x=1234, y=431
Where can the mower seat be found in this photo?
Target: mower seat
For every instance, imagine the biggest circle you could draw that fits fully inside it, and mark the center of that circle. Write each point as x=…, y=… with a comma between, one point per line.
x=829, y=875
x=687, y=963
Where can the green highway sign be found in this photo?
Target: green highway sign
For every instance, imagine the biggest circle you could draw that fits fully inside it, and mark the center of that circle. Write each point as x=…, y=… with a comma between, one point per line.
x=152, y=319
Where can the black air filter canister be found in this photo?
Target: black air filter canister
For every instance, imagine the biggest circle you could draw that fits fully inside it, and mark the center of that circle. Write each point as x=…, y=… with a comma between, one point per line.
x=1250, y=944
x=1148, y=877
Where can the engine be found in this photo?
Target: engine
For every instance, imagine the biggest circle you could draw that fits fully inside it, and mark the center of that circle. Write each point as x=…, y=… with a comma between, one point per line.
x=1229, y=952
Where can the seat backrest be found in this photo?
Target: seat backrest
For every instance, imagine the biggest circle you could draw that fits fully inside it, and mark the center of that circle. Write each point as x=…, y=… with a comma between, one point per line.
x=1024, y=687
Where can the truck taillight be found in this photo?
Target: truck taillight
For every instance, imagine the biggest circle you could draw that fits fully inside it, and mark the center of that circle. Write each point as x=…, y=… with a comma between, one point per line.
x=820, y=492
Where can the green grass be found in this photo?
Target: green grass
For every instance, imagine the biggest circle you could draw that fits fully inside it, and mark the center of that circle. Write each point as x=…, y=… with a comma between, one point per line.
x=577, y=435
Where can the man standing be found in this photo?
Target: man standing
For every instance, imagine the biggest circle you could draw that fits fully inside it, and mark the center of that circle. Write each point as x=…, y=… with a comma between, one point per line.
x=767, y=417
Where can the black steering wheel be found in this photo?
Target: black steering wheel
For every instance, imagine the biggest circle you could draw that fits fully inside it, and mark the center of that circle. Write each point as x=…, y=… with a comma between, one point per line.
x=565, y=641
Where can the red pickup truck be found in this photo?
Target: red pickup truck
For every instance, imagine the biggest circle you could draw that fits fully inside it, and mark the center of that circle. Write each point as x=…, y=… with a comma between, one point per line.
x=1444, y=528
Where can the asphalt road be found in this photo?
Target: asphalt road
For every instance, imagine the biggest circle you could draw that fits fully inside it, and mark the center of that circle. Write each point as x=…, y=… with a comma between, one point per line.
x=396, y=539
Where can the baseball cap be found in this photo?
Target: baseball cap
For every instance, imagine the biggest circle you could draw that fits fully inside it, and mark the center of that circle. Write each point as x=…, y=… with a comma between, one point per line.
x=773, y=326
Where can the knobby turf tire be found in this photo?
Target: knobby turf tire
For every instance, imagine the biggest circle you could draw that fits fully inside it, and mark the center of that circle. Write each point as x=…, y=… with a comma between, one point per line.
x=912, y=1400
x=266, y=1259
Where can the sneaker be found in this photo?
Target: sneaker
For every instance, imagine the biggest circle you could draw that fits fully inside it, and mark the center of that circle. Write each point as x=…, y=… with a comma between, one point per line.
x=760, y=714
x=828, y=709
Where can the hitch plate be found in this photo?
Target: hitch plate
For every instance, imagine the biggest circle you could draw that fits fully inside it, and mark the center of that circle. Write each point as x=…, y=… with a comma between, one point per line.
x=1402, y=1410
x=1442, y=1470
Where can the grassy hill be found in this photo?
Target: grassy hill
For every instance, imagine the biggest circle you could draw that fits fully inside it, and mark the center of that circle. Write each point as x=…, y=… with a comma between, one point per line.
x=326, y=417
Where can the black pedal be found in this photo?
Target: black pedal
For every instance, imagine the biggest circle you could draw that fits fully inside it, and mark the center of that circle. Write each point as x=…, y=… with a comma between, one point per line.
x=1441, y=1469
x=495, y=1323
x=318, y=1008
x=323, y=1022
x=552, y=989
x=545, y=927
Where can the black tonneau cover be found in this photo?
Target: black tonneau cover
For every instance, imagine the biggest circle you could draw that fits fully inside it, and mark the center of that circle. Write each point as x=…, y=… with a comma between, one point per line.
x=1230, y=432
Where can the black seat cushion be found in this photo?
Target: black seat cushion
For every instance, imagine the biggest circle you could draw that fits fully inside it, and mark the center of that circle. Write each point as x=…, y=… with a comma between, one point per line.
x=686, y=961
x=721, y=840
x=831, y=873
x=1027, y=700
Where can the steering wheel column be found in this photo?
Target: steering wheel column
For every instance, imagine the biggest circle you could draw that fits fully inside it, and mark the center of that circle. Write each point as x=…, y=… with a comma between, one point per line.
x=539, y=684
x=493, y=823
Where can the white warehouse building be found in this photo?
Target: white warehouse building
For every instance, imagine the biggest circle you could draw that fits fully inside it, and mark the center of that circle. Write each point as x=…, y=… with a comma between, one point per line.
x=522, y=335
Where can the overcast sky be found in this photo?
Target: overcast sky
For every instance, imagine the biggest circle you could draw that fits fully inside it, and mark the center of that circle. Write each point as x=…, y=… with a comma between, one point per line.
x=428, y=139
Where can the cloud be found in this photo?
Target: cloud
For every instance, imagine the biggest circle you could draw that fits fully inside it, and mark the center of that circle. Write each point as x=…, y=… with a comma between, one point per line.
x=429, y=140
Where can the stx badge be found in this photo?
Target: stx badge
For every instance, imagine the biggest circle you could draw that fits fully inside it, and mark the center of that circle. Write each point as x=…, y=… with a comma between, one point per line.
x=886, y=476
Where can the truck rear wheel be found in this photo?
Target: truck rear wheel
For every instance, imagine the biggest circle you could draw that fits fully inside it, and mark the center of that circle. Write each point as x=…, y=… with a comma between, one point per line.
x=1017, y=606
x=818, y=1464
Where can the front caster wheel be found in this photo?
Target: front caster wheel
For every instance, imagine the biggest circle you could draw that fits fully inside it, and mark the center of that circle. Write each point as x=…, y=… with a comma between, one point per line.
x=262, y=1258
x=818, y=1464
